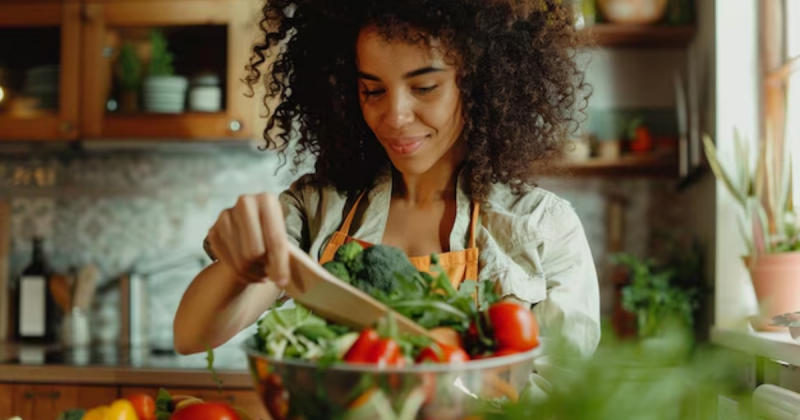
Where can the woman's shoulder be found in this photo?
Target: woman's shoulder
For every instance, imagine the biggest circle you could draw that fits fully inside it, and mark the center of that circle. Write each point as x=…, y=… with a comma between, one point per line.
x=532, y=210
x=307, y=188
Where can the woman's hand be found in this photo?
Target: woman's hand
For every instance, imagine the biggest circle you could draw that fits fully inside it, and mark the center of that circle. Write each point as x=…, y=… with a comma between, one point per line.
x=250, y=239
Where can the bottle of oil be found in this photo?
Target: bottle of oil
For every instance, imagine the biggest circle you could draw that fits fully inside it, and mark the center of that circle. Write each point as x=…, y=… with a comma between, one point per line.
x=35, y=307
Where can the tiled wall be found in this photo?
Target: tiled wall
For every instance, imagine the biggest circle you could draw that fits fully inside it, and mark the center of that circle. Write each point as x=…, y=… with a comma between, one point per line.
x=115, y=208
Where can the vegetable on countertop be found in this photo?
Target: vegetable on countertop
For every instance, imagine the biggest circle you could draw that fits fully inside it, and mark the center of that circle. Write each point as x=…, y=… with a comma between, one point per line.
x=144, y=405
x=206, y=411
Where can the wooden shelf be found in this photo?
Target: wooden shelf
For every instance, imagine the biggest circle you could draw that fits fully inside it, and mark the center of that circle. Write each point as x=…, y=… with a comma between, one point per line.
x=636, y=36
x=656, y=165
x=197, y=126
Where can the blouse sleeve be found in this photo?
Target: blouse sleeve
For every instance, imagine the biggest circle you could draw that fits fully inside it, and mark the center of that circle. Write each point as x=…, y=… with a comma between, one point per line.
x=571, y=310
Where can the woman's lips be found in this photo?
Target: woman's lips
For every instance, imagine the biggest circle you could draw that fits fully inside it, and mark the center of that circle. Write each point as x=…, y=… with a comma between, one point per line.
x=405, y=145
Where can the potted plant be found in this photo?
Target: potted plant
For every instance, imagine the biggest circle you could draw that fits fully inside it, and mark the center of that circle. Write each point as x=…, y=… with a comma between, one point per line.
x=769, y=225
x=665, y=293
x=164, y=91
x=130, y=77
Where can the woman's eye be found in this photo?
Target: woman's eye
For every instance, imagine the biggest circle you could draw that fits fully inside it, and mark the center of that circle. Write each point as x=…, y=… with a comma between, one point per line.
x=426, y=89
x=372, y=92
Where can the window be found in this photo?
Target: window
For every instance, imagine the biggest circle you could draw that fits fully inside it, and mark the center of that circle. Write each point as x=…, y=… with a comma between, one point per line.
x=792, y=15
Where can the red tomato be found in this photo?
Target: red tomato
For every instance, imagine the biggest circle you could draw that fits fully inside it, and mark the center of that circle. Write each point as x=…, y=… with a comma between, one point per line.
x=360, y=350
x=514, y=326
x=442, y=353
x=144, y=406
x=371, y=348
x=206, y=411
x=386, y=352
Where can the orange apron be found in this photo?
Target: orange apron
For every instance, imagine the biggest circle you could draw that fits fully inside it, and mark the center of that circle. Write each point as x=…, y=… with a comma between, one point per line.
x=459, y=265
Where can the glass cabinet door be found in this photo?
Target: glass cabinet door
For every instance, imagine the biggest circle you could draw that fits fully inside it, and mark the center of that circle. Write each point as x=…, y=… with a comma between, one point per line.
x=39, y=70
x=167, y=69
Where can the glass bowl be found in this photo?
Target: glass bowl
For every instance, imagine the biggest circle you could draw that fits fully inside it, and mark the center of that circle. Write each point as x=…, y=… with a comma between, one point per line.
x=302, y=390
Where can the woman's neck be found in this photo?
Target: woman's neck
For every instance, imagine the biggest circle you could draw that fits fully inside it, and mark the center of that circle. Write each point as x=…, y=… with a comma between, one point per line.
x=436, y=184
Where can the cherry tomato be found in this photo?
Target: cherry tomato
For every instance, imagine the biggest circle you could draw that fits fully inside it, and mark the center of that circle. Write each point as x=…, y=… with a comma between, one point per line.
x=360, y=350
x=206, y=411
x=371, y=348
x=386, y=353
x=443, y=353
x=514, y=326
x=144, y=406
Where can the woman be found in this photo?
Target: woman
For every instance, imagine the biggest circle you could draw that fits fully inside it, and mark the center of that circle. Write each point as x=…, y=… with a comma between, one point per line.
x=426, y=118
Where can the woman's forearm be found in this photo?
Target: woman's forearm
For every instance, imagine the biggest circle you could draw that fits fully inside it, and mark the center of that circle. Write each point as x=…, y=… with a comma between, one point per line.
x=216, y=307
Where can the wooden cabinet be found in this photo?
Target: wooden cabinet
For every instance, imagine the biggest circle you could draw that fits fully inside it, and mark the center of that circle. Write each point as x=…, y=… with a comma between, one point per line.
x=204, y=36
x=247, y=400
x=48, y=401
x=39, y=74
x=98, y=54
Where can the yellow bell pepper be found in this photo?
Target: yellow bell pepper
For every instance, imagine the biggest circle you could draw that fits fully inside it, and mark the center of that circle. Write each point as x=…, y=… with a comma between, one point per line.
x=97, y=413
x=121, y=410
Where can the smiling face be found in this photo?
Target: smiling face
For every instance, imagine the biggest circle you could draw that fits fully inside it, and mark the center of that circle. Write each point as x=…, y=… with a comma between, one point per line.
x=410, y=99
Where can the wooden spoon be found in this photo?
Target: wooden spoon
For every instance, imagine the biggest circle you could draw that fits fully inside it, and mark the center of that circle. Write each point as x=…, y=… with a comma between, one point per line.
x=60, y=289
x=318, y=290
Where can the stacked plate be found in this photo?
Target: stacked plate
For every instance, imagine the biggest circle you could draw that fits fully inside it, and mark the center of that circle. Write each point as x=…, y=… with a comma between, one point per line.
x=165, y=94
x=42, y=83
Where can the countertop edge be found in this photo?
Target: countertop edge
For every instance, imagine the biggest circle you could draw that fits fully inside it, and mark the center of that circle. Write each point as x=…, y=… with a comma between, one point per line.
x=122, y=376
x=778, y=346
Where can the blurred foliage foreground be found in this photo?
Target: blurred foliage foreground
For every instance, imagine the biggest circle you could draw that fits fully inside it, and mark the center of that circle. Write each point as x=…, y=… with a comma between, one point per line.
x=668, y=377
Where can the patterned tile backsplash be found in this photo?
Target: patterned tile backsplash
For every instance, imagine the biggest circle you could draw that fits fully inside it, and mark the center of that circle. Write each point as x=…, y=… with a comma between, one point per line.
x=116, y=208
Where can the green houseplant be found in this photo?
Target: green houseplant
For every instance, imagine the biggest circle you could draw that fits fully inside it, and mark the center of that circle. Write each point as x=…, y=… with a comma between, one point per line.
x=164, y=92
x=130, y=77
x=768, y=223
x=663, y=292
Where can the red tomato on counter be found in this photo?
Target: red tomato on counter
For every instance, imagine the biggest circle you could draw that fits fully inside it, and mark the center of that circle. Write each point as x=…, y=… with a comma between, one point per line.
x=144, y=406
x=514, y=326
x=206, y=411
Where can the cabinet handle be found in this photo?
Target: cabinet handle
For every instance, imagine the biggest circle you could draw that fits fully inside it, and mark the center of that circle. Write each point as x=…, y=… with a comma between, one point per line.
x=235, y=125
x=28, y=395
x=231, y=399
x=54, y=395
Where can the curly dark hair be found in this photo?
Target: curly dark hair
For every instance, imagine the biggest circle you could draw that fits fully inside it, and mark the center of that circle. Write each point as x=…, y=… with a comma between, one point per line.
x=522, y=88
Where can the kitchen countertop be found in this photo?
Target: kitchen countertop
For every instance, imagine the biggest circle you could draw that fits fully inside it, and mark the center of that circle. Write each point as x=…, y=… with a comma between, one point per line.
x=109, y=365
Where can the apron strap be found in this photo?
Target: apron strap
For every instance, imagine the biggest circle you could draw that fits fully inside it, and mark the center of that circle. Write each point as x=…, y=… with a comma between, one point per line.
x=345, y=228
x=476, y=210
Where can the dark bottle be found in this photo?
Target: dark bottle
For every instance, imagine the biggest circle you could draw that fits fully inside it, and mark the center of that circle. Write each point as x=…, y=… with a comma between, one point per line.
x=35, y=307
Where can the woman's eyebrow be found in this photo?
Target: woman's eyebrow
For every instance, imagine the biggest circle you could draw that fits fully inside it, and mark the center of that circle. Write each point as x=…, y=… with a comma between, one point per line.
x=409, y=75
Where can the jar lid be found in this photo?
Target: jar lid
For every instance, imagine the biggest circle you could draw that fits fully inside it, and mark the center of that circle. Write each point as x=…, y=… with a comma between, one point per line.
x=206, y=80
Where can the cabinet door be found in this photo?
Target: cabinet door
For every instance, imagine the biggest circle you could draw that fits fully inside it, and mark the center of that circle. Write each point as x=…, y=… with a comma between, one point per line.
x=208, y=42
x=247, y=400
x=6, y=400
x=39, y=74
x=48, y=401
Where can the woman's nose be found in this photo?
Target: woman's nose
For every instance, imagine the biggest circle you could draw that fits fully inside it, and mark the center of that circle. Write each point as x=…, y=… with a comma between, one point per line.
x=399, y=111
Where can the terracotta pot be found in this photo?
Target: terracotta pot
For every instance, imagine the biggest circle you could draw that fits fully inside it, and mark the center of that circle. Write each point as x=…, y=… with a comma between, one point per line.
x=776, y=280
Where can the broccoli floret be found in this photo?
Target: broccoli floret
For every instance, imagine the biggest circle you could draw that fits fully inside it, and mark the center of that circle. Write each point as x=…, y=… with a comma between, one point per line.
x=349, y=254
x=338, y=269
x=381, y=264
